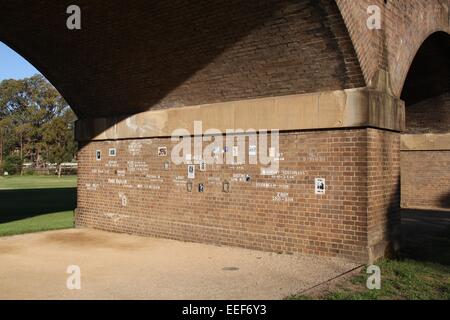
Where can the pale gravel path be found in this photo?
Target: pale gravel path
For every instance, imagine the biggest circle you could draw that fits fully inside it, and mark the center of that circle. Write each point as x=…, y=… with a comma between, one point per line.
x=118, y=266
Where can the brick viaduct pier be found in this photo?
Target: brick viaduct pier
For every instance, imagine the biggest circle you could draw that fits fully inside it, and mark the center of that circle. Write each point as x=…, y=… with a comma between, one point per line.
x=366, y=110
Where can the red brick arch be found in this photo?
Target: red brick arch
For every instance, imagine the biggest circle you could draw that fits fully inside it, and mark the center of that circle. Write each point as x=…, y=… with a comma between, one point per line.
x=411, y=54
x=429, y=71
x=140, y=55
x=405, y=26
x=147, y=55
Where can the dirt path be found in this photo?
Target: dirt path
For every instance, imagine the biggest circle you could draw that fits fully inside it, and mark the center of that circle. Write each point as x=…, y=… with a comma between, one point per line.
x=116, y=266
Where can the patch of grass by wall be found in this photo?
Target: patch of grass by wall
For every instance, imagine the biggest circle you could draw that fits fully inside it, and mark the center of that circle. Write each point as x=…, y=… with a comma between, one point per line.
x=401, y=280
x=45, y=222
x=36, y=203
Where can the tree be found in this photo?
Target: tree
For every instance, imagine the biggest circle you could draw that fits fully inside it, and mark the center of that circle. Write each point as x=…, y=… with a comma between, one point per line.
x=58, y=140
x=12, y=164
x=35, y=122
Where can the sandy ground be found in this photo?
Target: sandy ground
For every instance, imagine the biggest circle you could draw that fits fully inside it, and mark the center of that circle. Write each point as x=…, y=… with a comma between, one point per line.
x=117, y=266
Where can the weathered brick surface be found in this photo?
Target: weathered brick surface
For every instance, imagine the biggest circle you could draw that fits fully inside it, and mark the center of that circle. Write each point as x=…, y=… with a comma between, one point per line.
x=251, y=215
x=426, y=179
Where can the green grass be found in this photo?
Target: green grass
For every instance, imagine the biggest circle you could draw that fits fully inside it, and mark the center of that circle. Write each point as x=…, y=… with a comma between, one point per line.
x=45, y=222
x=401, y=280
x=37, y=182
x=36, y=203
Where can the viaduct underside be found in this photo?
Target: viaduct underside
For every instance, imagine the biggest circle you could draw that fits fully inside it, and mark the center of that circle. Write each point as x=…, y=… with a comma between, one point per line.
x=363, y=116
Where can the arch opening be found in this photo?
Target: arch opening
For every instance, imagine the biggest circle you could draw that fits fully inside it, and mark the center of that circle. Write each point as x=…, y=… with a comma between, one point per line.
x=426, y=89
x=37, y=150
x=425, y=152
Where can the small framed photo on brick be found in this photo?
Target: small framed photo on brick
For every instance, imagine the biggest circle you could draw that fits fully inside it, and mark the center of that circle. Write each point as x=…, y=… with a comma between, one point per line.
x=166, y=165
x=320, y=186
x=112, y=152
x=191, y=171
x=162, y=151
x=226, y=186
x=202, y=165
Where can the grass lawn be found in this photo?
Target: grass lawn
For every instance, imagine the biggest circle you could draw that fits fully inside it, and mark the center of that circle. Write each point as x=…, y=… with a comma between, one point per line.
x=37, y=182
x=400, y=280
x=36, y=203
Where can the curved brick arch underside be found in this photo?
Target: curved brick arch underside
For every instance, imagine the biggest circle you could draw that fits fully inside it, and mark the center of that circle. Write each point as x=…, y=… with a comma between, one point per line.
x=427, y=87
x=405, y=26
x=429, y=75
x=140, y=55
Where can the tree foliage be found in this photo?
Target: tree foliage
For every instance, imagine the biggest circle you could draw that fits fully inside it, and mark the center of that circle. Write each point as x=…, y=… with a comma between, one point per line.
x=12, y=164
x=36, y=123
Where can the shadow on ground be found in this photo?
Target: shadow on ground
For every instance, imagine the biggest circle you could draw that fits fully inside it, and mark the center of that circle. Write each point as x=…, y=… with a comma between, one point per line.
x=28, y=203
x=426, y=236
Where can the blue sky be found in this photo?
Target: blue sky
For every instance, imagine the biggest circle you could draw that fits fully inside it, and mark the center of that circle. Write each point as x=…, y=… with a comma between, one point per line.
x=13, y=66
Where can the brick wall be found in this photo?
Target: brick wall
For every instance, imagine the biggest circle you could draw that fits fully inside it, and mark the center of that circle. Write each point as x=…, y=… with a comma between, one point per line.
x=426, y=173
x=281, y=213
x=429, y=116
x=426, y=179
x=383, y=181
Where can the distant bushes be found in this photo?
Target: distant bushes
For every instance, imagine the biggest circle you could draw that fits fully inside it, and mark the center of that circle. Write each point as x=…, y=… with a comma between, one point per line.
x=12, y=164
x=28, y=172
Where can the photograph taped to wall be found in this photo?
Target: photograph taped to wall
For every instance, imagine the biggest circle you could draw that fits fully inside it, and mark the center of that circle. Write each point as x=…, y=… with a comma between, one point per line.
x=162, y=151
x=202, y=165
x=112, y=152
x=191, y=171
x=167, y=165
x=226, y=186
x=320, y=186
